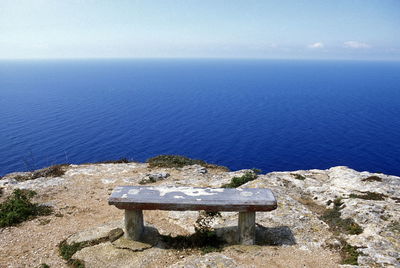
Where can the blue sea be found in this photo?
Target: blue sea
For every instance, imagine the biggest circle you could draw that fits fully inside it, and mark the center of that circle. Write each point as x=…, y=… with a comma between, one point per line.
x=267, y=114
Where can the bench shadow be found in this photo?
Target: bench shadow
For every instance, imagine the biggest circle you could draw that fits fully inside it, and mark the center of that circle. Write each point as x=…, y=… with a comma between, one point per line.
x=274, y=236
x=265, y=236
x=150, y=235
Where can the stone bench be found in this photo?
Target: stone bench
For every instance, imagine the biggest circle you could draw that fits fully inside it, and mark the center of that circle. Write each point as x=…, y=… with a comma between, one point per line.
x=135, y=199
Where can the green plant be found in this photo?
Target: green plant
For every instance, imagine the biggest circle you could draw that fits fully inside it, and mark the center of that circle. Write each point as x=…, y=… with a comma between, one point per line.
x=67, y=251
x=394, y=226
x=238, y=181
x=53, y=171
x=204, y=238
x=349, y=254
x=177, y=161
x=333, y=218
x=299, y=177
x=18, y=208
x=44, y=265
x=75, y=263
x=117, y=161
x=369, y=196
x=372, y=178
x=256, y=170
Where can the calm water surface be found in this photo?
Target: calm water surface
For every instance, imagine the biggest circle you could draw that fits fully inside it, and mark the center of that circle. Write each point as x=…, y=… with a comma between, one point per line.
x=272, y=115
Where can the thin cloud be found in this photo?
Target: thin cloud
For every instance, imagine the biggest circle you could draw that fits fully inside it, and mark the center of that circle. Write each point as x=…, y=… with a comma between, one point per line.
x=355, y=44
x=316, y=45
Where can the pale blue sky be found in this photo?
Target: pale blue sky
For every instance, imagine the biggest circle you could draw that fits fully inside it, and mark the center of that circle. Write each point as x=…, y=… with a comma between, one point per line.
x=340, y=29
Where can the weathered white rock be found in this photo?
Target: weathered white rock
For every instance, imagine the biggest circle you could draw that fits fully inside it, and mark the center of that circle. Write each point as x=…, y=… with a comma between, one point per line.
x=35, y=184
x=210, y=260
x=158, y=176
x=100, y=232
x=378, y=241
x=294, y=224
x=124, y=243
x=107, y=255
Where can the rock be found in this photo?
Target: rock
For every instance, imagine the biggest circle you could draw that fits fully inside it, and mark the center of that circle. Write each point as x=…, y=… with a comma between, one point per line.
x=108, y=180
x=100, y=233
x=196, y=168
x=154, y=177
x=293, y=235
x=159, y=176
x=201, y=170
x=17, y=176
x=7, y=182
x=48, y=204
x=26, y=180
x=40, y=183
x=114, y=234
x=297, y=221
x=107, y=255
x=124, y=243
x=377, y=241
x=210, y=260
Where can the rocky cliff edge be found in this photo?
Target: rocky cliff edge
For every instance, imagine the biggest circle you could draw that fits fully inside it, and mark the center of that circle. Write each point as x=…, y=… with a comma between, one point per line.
x=325, y=218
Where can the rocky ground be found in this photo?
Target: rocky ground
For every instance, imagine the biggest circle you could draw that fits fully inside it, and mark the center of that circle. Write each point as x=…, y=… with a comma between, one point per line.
x=323, y=218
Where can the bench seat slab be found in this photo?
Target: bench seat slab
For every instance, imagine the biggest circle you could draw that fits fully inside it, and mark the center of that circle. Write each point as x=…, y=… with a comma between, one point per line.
x=192, y=198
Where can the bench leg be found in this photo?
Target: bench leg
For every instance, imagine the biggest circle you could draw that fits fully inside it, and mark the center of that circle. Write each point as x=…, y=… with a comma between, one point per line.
x=247, y=228
x=133, y=224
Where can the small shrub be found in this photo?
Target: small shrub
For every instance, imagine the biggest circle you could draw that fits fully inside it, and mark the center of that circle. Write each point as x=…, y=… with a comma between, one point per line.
x=44, y=265
x=204, y=238
x=75, y=263
x=349, y=254
x=372, y=178
x=177, y=161
x=394, y=226
x=336, y=223
x=53, y=171
x=256, y=170
x=117, y=161
x=203, y=222
x=18, y=208
x=238, y=181
x=384, y=217
x=67, y=251
x=299, y=177
x=337, y=203
x=369, y=196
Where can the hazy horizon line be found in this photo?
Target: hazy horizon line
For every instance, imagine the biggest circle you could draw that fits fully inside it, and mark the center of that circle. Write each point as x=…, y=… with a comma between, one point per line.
x=195, y=58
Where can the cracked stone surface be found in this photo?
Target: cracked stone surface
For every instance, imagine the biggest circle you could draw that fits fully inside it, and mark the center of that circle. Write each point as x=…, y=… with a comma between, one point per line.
x=293, y=235
x=123, y=243
x=101, y=232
